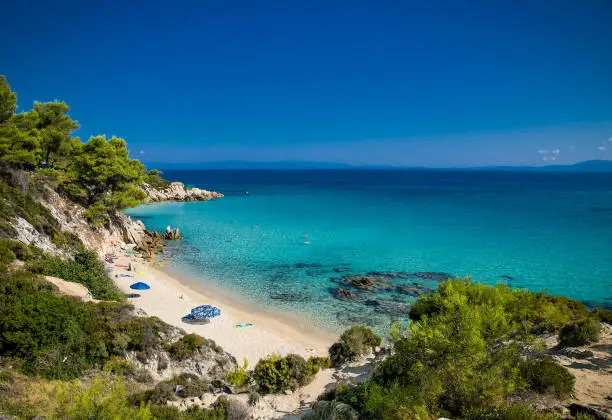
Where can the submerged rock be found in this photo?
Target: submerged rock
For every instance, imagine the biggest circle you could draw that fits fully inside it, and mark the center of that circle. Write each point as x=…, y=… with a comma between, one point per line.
x=342, y=294
x=289, y=296
x=364, y=281
x=434, y=275
x=414, y=289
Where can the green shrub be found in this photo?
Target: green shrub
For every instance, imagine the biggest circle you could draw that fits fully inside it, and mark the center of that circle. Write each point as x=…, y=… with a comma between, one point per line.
x=239, y=375
x=102, y=398
x=278, y=374
x=510, y=412
x=186, y=346
x=154, y=179
x=424, y=306
x=315, y=364
x=603, y=315
x=547, y=376
x=119, y=366
x=580, y=332
x=354, y=342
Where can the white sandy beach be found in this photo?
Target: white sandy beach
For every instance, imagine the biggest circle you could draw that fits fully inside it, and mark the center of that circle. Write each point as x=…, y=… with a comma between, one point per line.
x=169, y=300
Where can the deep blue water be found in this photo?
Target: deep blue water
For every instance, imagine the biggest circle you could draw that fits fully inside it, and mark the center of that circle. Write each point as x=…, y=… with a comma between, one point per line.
x=281, y=244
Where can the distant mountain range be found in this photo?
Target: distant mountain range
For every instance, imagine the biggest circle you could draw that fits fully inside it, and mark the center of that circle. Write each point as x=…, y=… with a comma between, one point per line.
x=586, y=166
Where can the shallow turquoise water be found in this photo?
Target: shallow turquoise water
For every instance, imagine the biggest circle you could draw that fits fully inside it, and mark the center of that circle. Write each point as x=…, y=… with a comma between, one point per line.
x=282, y=243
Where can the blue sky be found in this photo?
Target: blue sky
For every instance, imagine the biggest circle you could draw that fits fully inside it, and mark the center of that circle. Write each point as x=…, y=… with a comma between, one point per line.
x=429, y=83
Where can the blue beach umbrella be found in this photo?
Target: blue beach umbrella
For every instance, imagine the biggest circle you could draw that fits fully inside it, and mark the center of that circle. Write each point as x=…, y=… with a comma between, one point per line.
x=140, y=286
x=205, y=311
x=201, y=308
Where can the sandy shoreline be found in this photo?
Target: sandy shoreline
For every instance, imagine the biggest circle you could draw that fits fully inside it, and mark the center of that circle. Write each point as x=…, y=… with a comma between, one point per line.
x=170, y=299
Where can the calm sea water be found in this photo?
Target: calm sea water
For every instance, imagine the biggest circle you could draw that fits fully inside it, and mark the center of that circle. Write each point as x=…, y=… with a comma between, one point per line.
x=281, y=245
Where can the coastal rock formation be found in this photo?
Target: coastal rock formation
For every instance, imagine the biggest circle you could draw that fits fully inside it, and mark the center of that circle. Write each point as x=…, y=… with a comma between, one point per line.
x=177, y=191
x=172, y=234
x=70, y=217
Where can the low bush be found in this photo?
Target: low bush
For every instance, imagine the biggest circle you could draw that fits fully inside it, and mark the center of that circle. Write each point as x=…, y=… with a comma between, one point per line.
x=104, y=397
x=278, y=374
x=547, y=376
x=186, y=346
x=580, y=332
x=354, y=342
x=510, y=412
x=604, y=315
x=239, y=375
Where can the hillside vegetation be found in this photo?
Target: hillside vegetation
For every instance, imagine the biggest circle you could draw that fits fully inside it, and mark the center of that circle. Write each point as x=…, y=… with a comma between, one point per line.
x=471, y=352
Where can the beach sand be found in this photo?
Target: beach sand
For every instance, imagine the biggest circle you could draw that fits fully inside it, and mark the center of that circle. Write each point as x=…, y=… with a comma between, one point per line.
x=170, y=299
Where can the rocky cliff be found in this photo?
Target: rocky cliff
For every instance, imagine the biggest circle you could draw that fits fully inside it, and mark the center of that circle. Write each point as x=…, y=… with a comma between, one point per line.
x=177, y=191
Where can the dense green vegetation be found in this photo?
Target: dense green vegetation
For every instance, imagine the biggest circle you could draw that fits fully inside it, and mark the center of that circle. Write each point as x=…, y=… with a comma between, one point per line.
x=278, y=374
x=61, y=337
x=187, y=345
x=97, y=173
x=470, y=351
x=354, y=342
x=86, y=269
x=580, y=332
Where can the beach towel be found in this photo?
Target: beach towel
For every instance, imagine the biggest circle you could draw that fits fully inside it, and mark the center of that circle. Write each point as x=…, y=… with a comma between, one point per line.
x=126, y=275
x=141, y=272
x=248, y=324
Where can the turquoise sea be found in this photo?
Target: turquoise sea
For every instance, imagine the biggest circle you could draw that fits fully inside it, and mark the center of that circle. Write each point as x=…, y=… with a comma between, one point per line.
x=282, y=245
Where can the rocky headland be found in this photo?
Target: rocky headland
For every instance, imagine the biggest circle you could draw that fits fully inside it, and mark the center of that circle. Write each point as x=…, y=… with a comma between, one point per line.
x=177, y=191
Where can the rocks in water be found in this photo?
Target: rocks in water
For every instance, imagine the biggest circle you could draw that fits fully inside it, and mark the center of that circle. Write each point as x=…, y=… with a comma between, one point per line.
x=307, y=265
x=433, y=275
x=389, y=307
x=150, y=244
x=289, y=296
x=342, y=294
x=364, y=281
x=348, y=318
x=413, y=289
x=172, y=234
x=506, y=277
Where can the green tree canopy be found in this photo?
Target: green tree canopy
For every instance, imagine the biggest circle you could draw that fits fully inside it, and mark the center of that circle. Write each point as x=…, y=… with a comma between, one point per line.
x=8, y=100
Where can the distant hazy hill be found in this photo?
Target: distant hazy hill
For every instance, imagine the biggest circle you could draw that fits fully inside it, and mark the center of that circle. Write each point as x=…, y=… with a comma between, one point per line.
x=587, y=166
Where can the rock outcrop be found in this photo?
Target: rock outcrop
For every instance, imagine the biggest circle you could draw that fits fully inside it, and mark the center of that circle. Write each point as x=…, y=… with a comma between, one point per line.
x=71, y=218
x=177, y=191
